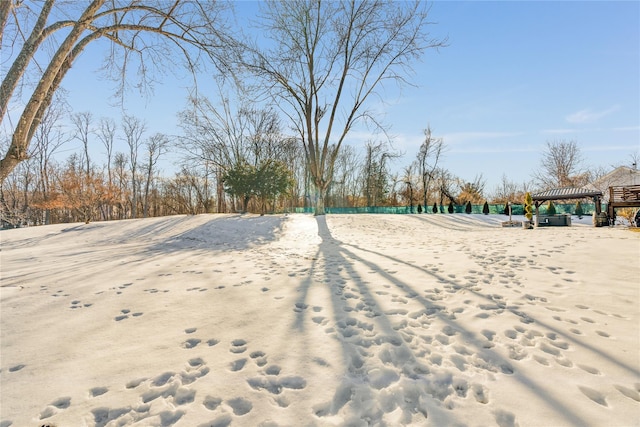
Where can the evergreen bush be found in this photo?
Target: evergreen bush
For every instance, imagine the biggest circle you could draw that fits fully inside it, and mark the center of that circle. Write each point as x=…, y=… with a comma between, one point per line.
x=468, y=208
x=485, y=208
x=528, y=206
x=450, y=207
x=551, y=209
x=579, y=212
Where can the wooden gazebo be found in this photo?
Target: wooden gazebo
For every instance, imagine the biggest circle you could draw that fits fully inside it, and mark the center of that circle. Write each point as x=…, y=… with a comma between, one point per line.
x=567, y=193
x=623, y=196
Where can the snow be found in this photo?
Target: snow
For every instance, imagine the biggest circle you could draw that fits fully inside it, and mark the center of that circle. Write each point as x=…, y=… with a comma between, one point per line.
x=341, y=320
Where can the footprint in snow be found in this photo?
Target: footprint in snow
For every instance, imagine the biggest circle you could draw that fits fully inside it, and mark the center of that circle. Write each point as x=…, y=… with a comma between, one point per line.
x=480, y=393
x=505, y=418
x=125, y=314
x=78, y=304
x=98, y=391
x=300, y=306
x=589, y=369
x=238, y=346
x=259, y=357
x=594, y=395
x=630, y=393
x=58, y=404
x=237, y=365
x=191, y=343
x=135, y=383
x=240, y=406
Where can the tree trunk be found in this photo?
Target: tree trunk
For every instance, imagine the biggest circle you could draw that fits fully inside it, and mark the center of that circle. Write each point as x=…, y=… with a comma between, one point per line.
x=319, y=199
x=245, y=204
x=15, y=155
x=145, y=208
x=134, y=196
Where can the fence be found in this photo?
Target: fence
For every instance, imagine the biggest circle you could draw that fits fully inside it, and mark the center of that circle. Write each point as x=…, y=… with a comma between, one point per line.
x=587, y=209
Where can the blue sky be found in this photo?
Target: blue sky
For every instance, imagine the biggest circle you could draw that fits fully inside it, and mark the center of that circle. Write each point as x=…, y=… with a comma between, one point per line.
x=514, y=76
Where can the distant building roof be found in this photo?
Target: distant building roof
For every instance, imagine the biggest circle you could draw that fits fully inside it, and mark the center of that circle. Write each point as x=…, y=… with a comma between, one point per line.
x=566, y=193
x=620, y=176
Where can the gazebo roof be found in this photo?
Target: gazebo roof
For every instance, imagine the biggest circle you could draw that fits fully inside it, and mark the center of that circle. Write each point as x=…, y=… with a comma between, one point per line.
x=565, y=193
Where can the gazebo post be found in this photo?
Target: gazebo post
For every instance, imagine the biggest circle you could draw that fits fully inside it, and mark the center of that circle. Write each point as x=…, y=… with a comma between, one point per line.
x=537, y=211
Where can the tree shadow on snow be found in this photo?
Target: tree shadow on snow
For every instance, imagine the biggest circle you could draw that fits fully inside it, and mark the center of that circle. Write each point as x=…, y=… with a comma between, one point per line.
x=399, y=369
x=217, y=233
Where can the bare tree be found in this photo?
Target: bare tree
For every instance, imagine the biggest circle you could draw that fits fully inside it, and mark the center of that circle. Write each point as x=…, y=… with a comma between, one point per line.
x=133, y=129
x=409, y=180
x=293, y=156
x=561, y=166
x=446, y=182
x=15, y=195
x=188, y=192
x=213, y=138
x=106, y=133
x=81, y=193
x=82, y=122
x=49, y=138
x=427, y=162
x=506, y=191
x=634, y=159
x=472, y=191
x=375, y=172
x=155, y=146
x=509, y=192
x=122, y=177
x=154, y=34
x=226, y=136
x=346, y=182
x=209, y=140
x=264, y=136
x=328, y=60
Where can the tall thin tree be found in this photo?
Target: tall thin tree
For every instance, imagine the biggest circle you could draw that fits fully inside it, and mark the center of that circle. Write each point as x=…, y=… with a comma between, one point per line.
x=133, y=129
x=155, y=147
x=561, y=165
x=329, y=58
x=427, y=161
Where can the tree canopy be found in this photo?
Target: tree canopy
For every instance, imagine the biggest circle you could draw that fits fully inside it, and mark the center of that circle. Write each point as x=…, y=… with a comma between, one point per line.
x=327, y=59
x=45, y=38
x=267, y=180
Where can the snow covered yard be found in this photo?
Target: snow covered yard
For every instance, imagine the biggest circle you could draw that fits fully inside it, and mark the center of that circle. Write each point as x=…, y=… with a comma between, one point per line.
x=358, y=320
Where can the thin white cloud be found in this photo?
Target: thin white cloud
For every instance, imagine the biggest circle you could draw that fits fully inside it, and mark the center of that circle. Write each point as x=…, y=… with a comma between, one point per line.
x=462, y=137
x=567, y=131
x=501, y=150
x=558, y=131
x=626, y=128
x=589, y=116
x=609, y=148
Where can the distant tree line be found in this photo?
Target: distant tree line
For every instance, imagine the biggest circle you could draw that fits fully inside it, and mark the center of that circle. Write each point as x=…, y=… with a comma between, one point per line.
x=227, y=160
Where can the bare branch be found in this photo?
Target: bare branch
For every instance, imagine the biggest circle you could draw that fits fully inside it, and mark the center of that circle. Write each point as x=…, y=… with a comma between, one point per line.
x=151, y=30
